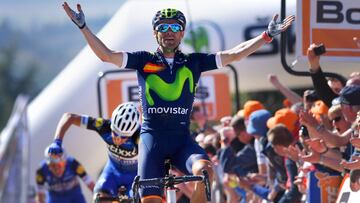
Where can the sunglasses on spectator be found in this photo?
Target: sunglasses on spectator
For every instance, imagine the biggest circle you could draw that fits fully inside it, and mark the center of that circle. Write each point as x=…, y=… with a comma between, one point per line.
x=336, y=119
x=165, y=27
x=119, y=136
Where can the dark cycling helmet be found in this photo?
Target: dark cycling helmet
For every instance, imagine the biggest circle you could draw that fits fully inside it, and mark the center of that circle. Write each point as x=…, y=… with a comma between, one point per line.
x=125, y=119
x=169, y=13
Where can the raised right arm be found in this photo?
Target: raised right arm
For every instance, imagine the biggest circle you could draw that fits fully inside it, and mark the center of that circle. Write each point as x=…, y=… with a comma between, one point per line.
x=98, y=47
x=287, y=92
x=64, y=124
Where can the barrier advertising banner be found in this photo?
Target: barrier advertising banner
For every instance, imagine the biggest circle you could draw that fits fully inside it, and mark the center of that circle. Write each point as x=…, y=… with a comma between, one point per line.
x=332, y=22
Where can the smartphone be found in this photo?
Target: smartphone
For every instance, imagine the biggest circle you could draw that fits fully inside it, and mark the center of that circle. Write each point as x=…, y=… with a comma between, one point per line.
x=304, y=132
x=319, y=50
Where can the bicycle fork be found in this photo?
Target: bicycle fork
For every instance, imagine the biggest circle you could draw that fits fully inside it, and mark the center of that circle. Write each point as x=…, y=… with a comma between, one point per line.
x=171, y=195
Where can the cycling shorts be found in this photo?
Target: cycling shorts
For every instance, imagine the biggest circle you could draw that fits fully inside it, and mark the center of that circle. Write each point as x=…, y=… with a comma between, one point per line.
x=112, y=179
x=156, y=146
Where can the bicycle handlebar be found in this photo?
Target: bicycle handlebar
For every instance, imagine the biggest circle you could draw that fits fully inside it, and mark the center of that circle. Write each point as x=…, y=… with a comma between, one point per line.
x=170, y=182
x=112, y=199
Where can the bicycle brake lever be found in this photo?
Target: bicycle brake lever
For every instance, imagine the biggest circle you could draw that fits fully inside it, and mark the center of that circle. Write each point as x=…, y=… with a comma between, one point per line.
x=207, y=185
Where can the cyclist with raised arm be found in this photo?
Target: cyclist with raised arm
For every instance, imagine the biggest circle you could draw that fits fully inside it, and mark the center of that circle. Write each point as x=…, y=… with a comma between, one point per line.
x=57, y=178
x=121, y=135
x=167, y=80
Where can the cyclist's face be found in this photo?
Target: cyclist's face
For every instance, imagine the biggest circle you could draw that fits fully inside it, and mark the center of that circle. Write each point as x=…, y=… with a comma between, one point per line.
x=169, y=40
x=57, y=168
x=118, y=140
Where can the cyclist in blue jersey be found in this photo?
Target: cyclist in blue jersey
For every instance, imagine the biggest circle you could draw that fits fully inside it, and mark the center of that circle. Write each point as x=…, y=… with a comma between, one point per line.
x=121, y=135
x=167, y=80
x=58, y=175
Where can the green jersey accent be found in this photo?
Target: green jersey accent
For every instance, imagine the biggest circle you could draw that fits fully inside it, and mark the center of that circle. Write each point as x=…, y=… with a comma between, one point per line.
x=168, y=91
x=165, y=95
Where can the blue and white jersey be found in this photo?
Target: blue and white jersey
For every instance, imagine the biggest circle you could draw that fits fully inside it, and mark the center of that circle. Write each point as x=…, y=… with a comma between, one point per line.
x=66, y=184
x=123, y=157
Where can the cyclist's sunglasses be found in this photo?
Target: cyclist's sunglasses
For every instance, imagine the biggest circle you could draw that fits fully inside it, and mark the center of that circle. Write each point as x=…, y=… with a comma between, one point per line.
x=119, y=136
x=57, y=164
x=55, y=159
x=165, y=27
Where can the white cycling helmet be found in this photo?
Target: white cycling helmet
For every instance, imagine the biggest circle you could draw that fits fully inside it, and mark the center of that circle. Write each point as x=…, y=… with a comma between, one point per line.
x=125, y=119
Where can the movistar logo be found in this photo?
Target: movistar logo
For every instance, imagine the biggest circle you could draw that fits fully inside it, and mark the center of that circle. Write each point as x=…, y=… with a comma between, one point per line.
x=169, y=91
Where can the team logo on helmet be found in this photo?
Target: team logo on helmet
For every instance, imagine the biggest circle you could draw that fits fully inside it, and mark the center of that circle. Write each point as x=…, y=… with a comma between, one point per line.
x=169, y=13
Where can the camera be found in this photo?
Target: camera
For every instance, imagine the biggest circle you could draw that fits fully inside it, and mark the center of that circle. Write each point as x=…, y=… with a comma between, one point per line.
x=320, y=49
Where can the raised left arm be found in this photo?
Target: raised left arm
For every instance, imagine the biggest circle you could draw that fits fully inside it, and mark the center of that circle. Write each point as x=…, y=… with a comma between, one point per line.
x=248, y=47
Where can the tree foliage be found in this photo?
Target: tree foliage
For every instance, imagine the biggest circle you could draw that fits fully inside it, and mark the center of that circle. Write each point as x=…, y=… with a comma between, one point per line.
x=14, y=80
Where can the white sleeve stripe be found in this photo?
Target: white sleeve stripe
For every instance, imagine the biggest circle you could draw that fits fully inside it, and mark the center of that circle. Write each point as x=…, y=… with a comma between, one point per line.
x=41, y=189
x=125, y=59
x=218, y=60
x=84, y=121
x=87, y=180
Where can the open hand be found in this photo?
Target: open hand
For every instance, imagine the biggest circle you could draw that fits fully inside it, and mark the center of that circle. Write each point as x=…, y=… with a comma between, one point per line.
x=307, y=119
x=77, y=18
x=276, y=27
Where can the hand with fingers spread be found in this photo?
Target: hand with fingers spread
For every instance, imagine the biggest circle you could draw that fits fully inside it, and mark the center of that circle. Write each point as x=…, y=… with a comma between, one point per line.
x=77, y=18
x=353, y=164
x=307, y=119
x=275, y=27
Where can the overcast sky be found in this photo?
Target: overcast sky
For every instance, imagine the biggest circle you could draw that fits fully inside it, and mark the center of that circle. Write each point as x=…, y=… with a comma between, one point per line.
x=25, y=13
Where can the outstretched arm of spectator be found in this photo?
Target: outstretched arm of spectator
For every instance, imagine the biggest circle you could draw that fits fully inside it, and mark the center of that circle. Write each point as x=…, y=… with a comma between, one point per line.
x=318, y=131
x=324, y=159
x=288, y=93
x=318, y=78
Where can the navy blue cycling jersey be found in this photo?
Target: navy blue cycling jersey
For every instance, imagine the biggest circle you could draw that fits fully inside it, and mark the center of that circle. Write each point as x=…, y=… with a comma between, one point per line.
x=67, y=184
x=123, y=157
x=167, y=92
